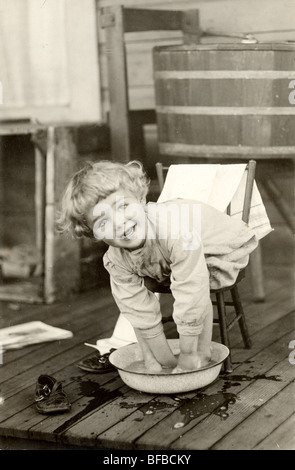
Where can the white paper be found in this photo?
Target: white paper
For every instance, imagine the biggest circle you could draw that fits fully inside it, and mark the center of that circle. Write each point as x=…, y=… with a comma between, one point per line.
x=25, y=334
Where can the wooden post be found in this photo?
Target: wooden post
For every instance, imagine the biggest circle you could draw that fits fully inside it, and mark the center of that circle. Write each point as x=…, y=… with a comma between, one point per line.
x=113, y=22
x=278, y=200
x=40, y=170
x=191, y=27
x=62, y=254
x=49, y=294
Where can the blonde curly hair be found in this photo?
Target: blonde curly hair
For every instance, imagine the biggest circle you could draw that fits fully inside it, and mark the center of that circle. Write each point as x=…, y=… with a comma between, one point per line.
x=93, y=183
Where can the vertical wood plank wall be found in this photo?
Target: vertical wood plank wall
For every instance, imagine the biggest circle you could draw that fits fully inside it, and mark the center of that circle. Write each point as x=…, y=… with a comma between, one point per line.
x=267, y=20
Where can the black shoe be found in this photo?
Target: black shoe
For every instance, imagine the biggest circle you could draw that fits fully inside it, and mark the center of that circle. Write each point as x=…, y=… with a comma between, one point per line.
x=97, y=363
x=49, y=396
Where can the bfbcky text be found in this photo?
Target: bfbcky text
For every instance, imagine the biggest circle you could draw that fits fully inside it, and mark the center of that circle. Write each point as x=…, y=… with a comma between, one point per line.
x=292, y=94
x=292, y=353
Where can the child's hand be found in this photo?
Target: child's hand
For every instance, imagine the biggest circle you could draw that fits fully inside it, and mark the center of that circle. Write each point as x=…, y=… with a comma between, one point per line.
x=190, y=361
x=156, y=352
x=193, y=355
x=187, y=362
x=152, y=365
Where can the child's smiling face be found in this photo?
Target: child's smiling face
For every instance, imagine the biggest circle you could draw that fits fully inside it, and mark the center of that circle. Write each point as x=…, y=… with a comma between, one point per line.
x=119, y=220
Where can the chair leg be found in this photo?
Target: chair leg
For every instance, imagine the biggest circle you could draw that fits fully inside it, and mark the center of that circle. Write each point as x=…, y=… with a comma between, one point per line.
x=223, y=329
x=242, y=321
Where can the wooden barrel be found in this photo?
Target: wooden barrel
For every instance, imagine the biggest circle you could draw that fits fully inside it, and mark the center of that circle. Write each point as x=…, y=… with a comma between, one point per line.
x=234, y=100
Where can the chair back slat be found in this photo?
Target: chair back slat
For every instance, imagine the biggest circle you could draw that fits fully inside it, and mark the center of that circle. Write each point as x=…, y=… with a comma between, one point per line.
x=251, y=167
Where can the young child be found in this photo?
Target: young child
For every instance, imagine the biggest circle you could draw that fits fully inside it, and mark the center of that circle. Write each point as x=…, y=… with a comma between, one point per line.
x=189, y=245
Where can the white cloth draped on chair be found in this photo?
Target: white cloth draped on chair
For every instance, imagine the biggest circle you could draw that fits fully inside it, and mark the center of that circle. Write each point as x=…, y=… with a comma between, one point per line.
x=218, y=186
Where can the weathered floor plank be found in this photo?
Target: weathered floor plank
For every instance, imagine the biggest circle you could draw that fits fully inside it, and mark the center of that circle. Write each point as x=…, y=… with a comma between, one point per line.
x=282, y=438
x=262, y=422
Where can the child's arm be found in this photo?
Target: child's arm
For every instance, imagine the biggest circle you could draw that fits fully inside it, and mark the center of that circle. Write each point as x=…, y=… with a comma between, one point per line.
x=142, y=308
x=192, y=309
x=189, y=357
x=155, y=349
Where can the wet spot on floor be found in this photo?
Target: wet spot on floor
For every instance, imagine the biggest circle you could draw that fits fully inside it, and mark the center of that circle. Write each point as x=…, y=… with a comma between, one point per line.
x=178, y=425
x=232, y=380
x=99, y=396
x=217, y=403
x=150, y=407
x=228, y=384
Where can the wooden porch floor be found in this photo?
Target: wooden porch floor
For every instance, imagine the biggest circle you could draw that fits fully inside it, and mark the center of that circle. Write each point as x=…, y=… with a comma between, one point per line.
x=252, y=408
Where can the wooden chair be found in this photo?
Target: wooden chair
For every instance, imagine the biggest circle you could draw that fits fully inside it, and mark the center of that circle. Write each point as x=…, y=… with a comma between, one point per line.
x=118, y=20
x=224, y=324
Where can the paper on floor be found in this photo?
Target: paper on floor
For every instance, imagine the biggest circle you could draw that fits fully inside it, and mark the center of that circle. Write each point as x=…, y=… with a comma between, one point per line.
x=25, y=334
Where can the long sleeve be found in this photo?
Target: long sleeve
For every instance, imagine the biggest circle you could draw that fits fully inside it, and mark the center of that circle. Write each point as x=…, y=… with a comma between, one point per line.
x=189, y=286
x=140, y=306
